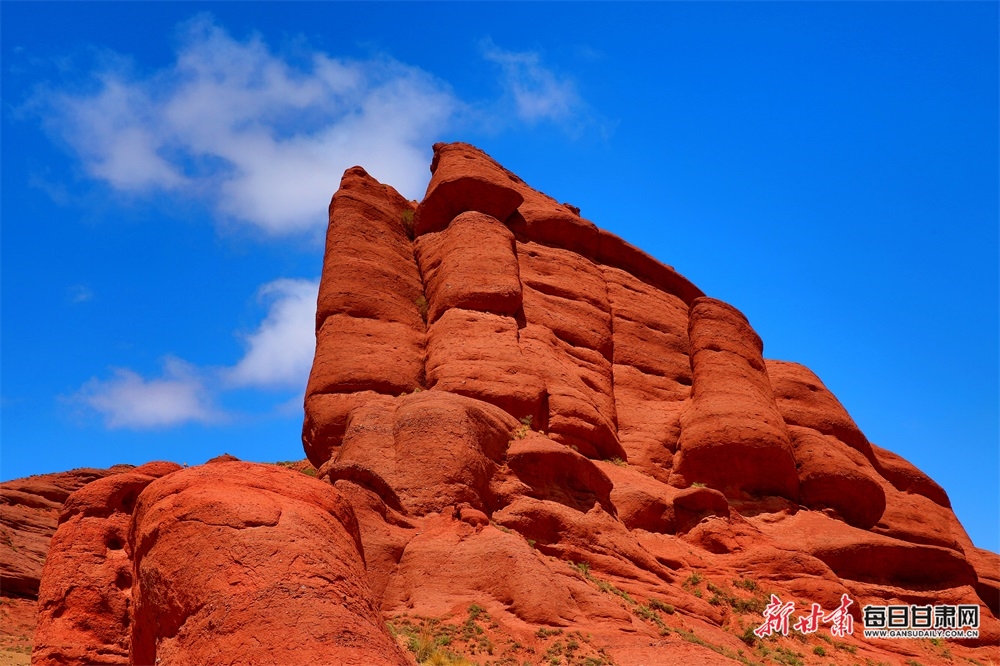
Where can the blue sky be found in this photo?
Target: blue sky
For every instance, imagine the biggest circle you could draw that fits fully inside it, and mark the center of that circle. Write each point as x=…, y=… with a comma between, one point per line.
x=830, y=169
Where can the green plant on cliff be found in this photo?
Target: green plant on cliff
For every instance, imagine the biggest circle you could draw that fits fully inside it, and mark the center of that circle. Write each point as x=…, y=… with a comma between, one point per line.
x=422, y=306
x=786, y=656
x=659, y=605
x=407, y=220
x=521, y=431
x=430, y=639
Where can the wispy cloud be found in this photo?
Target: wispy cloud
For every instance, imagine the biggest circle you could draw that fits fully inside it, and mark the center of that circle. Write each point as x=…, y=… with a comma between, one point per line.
x=80, y=293
x=536, y=91
x=263, y=140
x=280, y=352
x=278, y=356
x=127, y=400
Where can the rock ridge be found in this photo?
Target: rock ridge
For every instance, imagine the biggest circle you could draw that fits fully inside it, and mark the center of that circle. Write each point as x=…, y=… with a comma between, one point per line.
x=527, y=442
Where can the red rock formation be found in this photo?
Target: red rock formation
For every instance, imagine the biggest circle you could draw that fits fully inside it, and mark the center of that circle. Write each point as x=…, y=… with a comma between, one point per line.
x=535, y=315
x=535, y=444
x=84, y=601
x=279, y=581
x=732, y=436
x=29, y=518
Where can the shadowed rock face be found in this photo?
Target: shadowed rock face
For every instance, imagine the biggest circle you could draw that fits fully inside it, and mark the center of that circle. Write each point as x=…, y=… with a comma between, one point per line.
x=84, y=604
x=284, y=557
x=29, y=517
x=533, y=442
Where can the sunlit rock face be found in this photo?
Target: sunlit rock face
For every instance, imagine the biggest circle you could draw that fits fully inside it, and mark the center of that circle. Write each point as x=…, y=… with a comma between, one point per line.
x=531, y=443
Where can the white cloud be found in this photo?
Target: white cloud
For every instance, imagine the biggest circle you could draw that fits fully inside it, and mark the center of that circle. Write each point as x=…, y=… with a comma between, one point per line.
x=80, y=293
x=280, y=352
x=278, y=356
x=129, y=401
x=537, y=92
x=263, y=140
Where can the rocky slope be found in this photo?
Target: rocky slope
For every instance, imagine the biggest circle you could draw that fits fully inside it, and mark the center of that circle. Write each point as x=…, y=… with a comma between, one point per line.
x=535, y=444
x=29, y=515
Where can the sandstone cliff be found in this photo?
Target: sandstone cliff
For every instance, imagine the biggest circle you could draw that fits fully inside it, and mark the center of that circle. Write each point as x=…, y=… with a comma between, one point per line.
x=535, y=444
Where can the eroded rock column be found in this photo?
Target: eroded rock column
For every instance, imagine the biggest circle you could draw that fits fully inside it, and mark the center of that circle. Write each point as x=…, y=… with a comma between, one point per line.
x=732, y=438
x=369, y=324
x=85, y=598
x=832, y=455
x=251, y=564
x=474, y=293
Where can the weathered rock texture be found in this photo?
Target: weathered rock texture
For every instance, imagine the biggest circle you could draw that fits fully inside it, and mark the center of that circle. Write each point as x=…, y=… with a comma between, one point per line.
x=511, y=357
x=281, y=580
x=533, y=444
x=84, y=600
x=29, y=517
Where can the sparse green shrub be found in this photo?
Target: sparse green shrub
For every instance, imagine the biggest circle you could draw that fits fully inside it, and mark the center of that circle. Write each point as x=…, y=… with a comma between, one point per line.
x=659, y=605
x=422, y=306
x=407, y=220
x=743, y=606
x=720, y=649
x=819, y=651
x=522, y=430
x=624, y=595
x=648, y=614
x=544, y=633
x=594, y=661
x=783, y=655
x=618, y=461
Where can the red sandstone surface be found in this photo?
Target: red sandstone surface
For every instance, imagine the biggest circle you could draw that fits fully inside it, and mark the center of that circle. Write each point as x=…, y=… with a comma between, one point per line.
x=528, y=443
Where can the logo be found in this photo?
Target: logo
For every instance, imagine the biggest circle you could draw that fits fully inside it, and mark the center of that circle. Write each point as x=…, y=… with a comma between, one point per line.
x=913, y=621
x=891, y=621
x=776, y=616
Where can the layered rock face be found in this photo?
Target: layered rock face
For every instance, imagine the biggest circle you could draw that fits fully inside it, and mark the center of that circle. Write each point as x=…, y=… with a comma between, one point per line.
x=29, y=515
x=535, y=444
